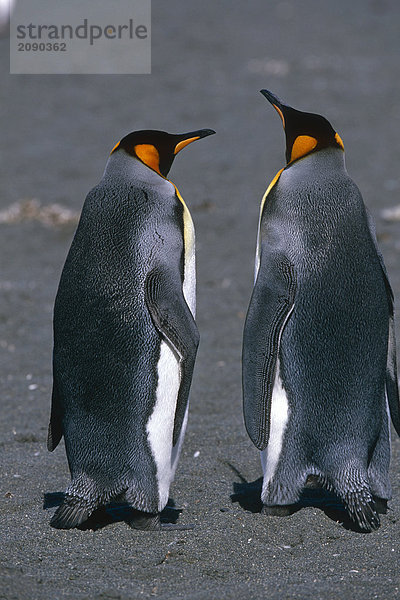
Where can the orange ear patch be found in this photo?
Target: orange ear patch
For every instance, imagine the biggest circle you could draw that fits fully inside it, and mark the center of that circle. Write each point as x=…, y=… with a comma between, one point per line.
x=184, y=143
x=149, y=155
x=303, y=145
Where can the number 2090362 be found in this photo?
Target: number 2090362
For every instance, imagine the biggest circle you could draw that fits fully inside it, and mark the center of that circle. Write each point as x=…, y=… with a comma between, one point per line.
x=42, y=47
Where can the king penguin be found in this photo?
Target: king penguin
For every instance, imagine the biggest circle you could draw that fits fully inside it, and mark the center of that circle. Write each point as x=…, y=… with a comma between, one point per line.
x=125, y=337
x=319, y=357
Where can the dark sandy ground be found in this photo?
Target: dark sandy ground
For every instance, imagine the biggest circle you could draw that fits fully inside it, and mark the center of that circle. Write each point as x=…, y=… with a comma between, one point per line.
x=209, y=61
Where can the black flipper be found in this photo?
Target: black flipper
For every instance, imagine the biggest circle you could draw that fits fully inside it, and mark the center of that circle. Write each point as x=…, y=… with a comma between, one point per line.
x=174, y=321
x=392, y=385
x=270, y=306
x=55, y=431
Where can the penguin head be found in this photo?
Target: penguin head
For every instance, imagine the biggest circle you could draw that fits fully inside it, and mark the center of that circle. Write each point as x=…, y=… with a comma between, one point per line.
x=157, y=149
x=305, y=132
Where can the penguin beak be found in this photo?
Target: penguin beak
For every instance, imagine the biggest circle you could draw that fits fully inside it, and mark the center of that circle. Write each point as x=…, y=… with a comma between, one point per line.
x=276, y=103
x=271, y=97
x=192, y=136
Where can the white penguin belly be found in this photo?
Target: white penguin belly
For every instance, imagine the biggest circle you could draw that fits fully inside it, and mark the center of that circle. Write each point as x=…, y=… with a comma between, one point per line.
x=161, y=423
x=279, y=419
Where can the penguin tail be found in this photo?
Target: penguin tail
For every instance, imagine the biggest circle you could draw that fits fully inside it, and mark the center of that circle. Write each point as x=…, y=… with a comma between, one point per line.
x=362, y=510
x=70, y=514
x=356, y=495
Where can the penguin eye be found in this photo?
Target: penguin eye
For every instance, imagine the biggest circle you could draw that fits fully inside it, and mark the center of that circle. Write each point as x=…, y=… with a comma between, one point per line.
x=149, y=155
x=302, y=145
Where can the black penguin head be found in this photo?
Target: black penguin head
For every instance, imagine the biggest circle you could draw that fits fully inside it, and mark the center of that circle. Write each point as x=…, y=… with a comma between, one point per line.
x=305, y=132
x=157, y=149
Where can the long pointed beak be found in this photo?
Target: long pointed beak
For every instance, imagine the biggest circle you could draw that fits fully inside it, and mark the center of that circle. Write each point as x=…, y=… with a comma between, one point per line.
x=192, y=136
x=272, y=98
x=200, y=133
x=276, y=103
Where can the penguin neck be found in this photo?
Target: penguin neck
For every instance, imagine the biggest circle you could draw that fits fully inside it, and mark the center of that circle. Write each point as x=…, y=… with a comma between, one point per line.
x=127, y=168
x=325, y=160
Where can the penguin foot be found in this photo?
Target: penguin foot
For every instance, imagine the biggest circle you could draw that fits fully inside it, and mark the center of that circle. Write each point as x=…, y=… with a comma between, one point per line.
x=280, y=510
x=152, y=522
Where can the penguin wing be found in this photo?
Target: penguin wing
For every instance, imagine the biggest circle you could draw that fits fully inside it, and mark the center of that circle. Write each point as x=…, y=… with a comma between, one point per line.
x=270, y=307
x=174, y=321
x=55, y=431
x=392, y=386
